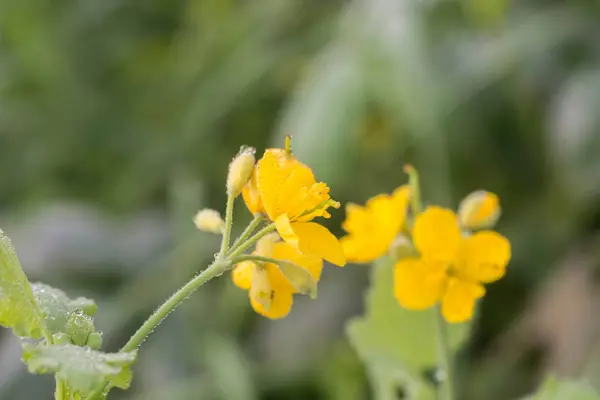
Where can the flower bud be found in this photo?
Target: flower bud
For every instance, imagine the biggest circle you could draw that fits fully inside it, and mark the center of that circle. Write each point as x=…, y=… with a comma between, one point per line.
x=479, y=209
x=79, y=326
x=94, y=340
x=208, y=220
x=401, y=248
x=61, y=338
x=240, y=171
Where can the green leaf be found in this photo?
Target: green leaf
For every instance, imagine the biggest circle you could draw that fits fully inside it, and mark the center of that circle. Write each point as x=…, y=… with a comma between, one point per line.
x=555, y=389
x=18, y=309
x=82, y=368
x=57, y=307
x=398, y=345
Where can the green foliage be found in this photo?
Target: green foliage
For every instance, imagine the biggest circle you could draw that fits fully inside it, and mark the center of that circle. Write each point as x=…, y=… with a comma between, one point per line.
x=57, y=307
x=83, y=369
x=18, y=309
x=555, y=389
x=398, y=345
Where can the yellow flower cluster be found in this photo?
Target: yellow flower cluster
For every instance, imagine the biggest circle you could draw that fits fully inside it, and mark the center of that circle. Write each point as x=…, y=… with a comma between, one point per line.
x=285, y=191
x=450, y=263
x=441, y=257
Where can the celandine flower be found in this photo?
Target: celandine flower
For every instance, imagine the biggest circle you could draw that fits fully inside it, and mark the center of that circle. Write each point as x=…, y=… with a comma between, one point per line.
x=286, y=191
x=451, y=268
x=270, y=291
x=373, y=228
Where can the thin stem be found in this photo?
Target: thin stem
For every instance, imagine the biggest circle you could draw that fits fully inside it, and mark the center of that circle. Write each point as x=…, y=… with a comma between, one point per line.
x=218, y=267
x=59, y=392
x=254, y=257
x=415, y=193
x=215, y=269
x=446, y=381
x=228, y=223
x=247, y=232
x=246, y=245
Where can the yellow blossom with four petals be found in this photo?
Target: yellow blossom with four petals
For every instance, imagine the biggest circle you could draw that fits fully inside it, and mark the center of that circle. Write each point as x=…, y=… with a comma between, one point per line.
x=286, y=191
x=270, y=291
x=373, y=228
x=452, y=268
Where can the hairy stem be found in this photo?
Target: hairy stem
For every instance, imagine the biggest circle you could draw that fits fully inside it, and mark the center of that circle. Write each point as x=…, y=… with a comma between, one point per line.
x=247, y=232
x=446, y=383
x=250, y=242
x=217, y=268
x=228, y=223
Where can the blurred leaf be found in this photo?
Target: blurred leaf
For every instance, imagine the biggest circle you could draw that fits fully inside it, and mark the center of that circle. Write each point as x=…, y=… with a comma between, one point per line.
x=555, y=389
x=83, y=369
x=18, y=309
x=56, y=306
x=398, y=345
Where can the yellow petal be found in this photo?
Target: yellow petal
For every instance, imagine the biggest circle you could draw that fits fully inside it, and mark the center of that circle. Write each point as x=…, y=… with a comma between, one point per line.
x=285, y=230
x=401, y=196
x=261, y=291
x=373, y=228
x=417, y=284
x=274, y=169
x=252, y=196
x=436, y=234
x=313, y=264
x=301, y=271
x=458, y=302
x=312, y=239
x=483, y=257
x=280, y=306
x=242, y=274
x=360, y=250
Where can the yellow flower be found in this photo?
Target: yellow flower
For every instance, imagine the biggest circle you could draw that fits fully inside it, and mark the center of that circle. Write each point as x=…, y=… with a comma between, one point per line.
x=451, y=268
x=286, y=191
x=374, y=227
x=270, y=291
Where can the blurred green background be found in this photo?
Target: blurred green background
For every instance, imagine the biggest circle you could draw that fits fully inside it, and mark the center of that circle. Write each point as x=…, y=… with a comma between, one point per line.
x=118, y=120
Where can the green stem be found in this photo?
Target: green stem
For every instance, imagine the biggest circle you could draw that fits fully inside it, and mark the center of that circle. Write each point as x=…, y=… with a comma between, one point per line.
x=250, y=242
x=218, y=267
x=228, y=223
x=253, y=257
x=247, y=232
x=59, y=393
x=446, y=381
x=415, y=192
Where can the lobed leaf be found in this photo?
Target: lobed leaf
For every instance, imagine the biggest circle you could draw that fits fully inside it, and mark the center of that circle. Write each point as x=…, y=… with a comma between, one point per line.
x=82, y=368
x=56, y=306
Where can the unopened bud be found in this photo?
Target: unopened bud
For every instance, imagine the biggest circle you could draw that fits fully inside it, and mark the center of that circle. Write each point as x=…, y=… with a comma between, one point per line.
x=94, y=340
x=401, y=248
x=61, y=338
x=479, y=209
x=240, y=170
x=79, y=326
x=208, y=220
